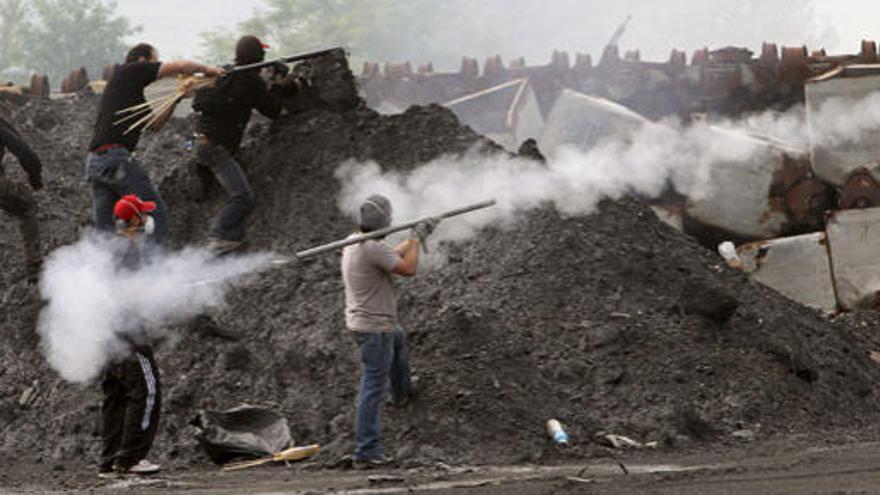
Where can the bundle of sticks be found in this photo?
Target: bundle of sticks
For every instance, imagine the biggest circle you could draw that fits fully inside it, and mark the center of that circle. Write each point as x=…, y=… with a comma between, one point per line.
x=153, y=114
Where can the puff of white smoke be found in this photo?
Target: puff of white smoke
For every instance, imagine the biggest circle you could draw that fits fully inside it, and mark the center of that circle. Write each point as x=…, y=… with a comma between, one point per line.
x=694, y=158
x=94, y=306
x=573, y=180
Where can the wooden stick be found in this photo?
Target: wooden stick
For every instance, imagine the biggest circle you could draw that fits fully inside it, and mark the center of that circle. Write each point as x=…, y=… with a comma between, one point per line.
x=134, y=115
x=160, y=114
x=152, y=116
x=149, y=103
x=291, y=454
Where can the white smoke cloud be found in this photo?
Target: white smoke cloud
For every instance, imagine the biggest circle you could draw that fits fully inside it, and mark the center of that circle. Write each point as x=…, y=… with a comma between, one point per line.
x=94, y=306
x=575, y=180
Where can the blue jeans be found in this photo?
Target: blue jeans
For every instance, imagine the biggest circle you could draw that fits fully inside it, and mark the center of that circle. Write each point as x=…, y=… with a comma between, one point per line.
x=229, y=223
x=385, y=364
x=114, y=174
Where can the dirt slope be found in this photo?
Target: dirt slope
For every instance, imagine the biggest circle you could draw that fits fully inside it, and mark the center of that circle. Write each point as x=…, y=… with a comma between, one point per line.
x=608, y=322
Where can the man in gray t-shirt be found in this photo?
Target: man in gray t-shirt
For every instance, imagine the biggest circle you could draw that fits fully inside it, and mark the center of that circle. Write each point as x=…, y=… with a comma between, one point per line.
x=371, y=315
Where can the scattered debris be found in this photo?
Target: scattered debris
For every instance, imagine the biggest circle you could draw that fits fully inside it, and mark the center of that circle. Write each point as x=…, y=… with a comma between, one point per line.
x=798, y=267
x=556, y=433
x=30, y=395
x=578, y=479
x=241, y=432
x=830, y=270
x=617, y=441
x=727, y=250
x=744, y=435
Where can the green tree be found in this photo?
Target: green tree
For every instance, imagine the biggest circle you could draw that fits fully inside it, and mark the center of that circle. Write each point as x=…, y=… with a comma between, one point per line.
x=218, y=46
x=65, y=34
x=378, y=29
x=12, y=17
x=444, y=31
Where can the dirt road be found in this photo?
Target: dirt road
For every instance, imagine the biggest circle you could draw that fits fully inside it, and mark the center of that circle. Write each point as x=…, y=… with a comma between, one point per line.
x=793, y=466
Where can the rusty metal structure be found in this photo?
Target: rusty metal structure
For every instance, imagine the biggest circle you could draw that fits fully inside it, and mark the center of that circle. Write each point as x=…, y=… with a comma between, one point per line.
x=726, y=81
x=75, y=81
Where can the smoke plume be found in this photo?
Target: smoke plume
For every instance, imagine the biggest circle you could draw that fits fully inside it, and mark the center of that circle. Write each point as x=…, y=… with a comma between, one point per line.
x=95, y=307
x=643, y=161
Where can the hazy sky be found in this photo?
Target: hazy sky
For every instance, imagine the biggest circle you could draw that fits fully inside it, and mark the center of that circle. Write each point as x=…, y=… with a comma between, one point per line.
x=173, y=26
x=657, y=26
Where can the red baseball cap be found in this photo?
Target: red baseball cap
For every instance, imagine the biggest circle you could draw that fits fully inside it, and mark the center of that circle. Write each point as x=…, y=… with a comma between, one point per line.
x=131, y=206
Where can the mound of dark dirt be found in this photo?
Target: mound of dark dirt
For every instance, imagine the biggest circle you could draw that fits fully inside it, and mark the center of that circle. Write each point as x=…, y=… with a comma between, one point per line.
x=611, y=321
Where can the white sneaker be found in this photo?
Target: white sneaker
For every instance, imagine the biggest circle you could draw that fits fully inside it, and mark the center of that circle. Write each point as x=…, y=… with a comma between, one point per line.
x=144, y=467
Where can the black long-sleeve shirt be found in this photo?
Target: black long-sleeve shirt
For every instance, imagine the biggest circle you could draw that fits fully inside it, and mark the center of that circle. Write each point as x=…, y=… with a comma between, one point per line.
x=226, y=118
x=11, y=140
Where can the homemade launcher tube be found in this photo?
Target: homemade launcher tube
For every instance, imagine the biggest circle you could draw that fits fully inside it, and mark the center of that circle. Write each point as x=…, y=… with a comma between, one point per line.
x=389, y=230
x=284, y=60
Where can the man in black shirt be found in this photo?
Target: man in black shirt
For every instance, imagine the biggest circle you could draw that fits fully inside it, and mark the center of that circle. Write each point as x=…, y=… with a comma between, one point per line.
x=111, y=168
x=17, y=200
x=225, y=111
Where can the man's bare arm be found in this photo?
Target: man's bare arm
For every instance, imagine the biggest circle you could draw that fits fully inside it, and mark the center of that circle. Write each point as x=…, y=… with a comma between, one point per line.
x=177, y=67
x=409, y=253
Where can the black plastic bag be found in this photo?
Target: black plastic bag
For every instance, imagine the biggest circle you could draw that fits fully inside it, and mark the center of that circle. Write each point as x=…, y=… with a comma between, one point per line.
x=244, y=432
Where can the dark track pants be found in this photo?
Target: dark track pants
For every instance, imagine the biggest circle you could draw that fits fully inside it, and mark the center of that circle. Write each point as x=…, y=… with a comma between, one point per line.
x=17, y=200
x=132, y=399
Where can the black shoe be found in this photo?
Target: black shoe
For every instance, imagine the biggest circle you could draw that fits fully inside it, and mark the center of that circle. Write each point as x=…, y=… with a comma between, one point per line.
x=108, y=473
x=372, y=462
x=221, y=247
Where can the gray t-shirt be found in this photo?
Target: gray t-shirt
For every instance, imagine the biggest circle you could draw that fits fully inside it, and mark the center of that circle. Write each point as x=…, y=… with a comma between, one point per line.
x=370, y=296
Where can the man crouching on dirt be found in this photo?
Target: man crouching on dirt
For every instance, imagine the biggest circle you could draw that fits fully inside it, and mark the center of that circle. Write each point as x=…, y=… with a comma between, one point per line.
x=132, y=391
x=224, y=112
x=371, y=315
x=17, y=200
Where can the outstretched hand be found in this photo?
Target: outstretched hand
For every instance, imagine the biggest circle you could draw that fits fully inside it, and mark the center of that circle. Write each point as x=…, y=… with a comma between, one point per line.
x=213, y=71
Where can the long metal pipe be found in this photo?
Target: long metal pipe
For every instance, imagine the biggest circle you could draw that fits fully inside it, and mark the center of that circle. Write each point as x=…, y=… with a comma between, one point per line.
x=284, y=60
x=389, y=230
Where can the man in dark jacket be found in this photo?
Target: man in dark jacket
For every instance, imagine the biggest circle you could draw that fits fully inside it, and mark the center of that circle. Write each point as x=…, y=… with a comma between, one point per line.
x=111, y=168
x=17, y=200
x=131, y=386
x=225, y=110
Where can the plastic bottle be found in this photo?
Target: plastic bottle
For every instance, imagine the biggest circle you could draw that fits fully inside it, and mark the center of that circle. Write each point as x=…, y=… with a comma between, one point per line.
x=728, y=251
x=554, y=429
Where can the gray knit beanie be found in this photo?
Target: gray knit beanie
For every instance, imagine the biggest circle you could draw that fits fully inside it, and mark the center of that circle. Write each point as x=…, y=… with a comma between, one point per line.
x=375, y=213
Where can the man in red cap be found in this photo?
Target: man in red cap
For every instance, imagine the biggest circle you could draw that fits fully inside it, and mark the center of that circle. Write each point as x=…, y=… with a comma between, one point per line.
x=131, y=386
x=131, y=214
x=225, y=110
